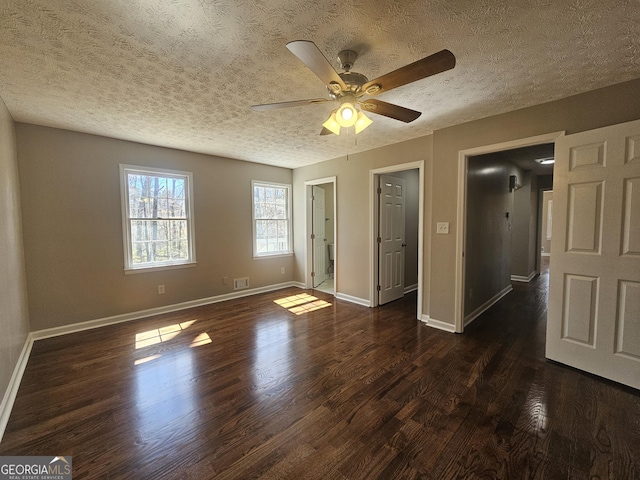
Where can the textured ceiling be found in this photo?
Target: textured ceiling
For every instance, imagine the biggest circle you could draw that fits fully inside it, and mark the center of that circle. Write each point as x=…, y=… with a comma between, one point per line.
x=183, y=73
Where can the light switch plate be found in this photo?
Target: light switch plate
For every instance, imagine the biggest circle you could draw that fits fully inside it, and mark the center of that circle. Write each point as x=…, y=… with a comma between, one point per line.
x=442, y=228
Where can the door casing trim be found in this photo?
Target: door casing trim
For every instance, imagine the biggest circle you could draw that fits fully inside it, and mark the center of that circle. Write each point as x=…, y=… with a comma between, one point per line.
x=461, y=217
x=373, y=223
x=308, y=264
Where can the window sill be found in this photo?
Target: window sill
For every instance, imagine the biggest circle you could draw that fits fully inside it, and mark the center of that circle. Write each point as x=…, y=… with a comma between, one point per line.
x=275, y=255
x=159, y=268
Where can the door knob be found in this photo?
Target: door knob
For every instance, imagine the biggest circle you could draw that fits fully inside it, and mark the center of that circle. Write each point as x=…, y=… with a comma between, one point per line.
x=404, y=244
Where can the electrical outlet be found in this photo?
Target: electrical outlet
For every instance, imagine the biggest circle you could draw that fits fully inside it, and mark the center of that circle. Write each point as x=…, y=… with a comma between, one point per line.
x=160, y=289
x=442, y=228
x=224, y=280
x=282, y=270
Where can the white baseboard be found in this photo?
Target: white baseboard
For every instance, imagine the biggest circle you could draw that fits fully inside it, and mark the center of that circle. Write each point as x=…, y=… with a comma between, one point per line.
x=487, y=305
x=521, y=278
x=14, y=384
x=432, y=322
x=127, y=317
x=356, y=300
x=411, y=288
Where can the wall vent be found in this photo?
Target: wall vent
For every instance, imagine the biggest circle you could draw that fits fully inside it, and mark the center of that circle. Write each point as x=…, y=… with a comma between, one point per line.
x=240, y=283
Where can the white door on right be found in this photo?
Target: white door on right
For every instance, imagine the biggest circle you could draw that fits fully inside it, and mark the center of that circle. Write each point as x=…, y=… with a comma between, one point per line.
x=593, y=321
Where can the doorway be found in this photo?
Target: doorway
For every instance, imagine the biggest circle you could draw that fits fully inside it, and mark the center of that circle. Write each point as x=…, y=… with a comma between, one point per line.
x=321, y=208
x=477, y=288
x=412, y=252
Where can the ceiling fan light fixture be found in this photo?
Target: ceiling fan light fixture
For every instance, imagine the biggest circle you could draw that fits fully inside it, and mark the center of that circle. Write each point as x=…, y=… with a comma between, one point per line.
x=362, y=122
x=332, y=123
x=347, y=115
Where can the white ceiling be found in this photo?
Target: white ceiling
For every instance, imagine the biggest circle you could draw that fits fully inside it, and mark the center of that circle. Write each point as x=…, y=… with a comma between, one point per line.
x=183, y=73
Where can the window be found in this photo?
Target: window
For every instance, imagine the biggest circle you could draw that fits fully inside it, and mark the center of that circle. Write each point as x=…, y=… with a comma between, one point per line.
x=271, y=219
x=157, y=217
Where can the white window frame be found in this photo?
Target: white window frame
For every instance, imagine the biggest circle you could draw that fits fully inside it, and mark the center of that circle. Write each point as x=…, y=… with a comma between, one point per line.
x=129, y=266
x=289, y=251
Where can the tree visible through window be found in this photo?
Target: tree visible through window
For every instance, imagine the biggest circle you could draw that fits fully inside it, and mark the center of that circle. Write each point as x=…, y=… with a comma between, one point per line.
x=157, y=217
x=271, y=219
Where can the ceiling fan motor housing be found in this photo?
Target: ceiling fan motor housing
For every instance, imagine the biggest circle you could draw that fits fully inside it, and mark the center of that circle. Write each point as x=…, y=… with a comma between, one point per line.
x=346, y=59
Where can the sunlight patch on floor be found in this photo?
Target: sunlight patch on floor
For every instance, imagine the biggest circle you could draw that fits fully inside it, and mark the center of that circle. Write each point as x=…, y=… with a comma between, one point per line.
x=302, y=303
x=159, y=335
x=201, y=339
x=165, y=334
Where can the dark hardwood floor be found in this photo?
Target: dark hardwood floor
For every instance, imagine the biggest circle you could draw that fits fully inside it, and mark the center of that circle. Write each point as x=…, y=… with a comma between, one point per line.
x=249, y=389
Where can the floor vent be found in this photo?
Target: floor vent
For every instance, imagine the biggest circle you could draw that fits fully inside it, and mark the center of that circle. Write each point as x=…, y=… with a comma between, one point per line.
x=240, y=283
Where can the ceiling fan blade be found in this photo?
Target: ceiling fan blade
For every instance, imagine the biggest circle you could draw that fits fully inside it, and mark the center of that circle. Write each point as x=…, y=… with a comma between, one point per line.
x=390, y=110
x=313, y=58
x=294, y=103
x=325, y=131
x=438, y=62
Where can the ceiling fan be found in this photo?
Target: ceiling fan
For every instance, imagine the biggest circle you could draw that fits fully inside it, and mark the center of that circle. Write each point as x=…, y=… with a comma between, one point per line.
x=350, y=88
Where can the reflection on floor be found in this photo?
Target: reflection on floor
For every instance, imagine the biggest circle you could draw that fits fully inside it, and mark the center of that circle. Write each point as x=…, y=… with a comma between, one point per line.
x=326, y=286
x=544, y=265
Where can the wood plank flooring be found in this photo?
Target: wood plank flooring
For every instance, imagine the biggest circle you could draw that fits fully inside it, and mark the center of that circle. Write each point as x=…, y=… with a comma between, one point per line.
x=250, y=388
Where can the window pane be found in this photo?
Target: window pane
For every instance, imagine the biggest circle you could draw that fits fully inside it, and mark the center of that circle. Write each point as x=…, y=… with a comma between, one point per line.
x=140, y=252
x=160, y=230
x=179, y=250
x=156, y=197
x=177, y=208
x=160, y=208
x=141, y=231
x=160, y=251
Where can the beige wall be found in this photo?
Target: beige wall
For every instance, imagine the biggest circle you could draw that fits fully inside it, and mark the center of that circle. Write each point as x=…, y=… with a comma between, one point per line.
x=607, y=106
x=73, y=227
x=14, y=319
x=352, y=183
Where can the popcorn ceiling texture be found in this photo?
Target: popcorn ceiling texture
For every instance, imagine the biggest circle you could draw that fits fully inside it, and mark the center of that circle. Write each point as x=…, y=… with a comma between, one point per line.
x=183, y=73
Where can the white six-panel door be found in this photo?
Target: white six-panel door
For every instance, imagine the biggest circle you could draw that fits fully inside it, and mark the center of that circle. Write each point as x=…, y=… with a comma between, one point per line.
x=392, y=238
x=593, y=321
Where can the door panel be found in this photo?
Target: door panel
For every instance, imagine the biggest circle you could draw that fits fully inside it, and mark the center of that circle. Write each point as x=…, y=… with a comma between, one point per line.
x=628, y=321
x=594, y=287
x=631, y=225
x=585, y=217
x=392, y=238
x=579, y=315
